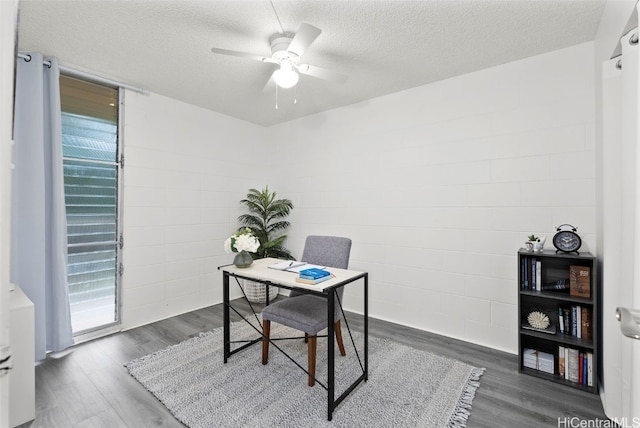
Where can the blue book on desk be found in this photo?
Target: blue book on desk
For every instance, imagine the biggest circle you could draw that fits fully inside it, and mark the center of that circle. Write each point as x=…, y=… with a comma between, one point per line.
x=313, y=281
x=313, y=273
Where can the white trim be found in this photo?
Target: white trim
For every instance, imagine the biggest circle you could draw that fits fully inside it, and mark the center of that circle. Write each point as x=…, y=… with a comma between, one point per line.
x=87, y=76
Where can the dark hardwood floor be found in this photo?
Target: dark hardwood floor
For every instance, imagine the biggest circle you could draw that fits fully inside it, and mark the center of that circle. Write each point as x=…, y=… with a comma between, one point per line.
x=88, y=385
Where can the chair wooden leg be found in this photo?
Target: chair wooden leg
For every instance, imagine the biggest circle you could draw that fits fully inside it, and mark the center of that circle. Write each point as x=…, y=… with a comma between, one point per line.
x=266, y=331
x=338, y=331
x=313, y=340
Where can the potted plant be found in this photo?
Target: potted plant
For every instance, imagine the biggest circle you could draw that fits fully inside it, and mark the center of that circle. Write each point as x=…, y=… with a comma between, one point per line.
x=535, y=243
x=267, y=221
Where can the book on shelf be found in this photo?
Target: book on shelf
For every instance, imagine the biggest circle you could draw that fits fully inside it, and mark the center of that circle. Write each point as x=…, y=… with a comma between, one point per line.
x=580, y=367
x=585, y=325
x=580, y=281
x=559, y=285
x=538, y=360
x=523, y=274
x=561, y=361
x=573, y=370
x=589, y=369
x=313, y=281
x=532, y=271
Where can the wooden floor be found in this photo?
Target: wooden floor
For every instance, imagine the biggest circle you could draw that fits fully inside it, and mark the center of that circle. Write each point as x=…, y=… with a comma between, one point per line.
x=88, y=385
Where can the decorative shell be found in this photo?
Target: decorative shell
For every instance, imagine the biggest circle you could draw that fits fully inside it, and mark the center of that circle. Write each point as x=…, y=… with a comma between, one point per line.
x=538, y=320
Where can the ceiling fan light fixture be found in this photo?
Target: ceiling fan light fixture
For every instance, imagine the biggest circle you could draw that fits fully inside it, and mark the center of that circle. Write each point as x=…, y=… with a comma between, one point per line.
x=286, y=77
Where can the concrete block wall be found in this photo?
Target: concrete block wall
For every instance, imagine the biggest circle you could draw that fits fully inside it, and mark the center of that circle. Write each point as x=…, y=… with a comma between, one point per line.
x=186, y=170
x=438, y=186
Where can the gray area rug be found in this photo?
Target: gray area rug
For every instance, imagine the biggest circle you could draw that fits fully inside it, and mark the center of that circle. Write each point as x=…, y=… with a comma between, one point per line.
x=406, y=387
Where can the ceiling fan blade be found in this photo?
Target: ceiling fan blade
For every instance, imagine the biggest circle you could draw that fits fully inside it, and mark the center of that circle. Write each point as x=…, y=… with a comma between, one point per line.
x=306, y=34
x=322, y=73
x=243, y=55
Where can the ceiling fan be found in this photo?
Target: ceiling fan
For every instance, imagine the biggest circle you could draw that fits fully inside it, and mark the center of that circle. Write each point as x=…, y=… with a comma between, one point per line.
x=286, y=51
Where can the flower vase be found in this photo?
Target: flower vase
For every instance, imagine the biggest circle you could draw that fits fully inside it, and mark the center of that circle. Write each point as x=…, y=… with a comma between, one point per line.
x=243, y=259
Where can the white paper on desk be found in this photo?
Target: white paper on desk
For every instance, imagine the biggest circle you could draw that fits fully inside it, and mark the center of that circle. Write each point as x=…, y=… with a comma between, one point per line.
x=297, y=269
x=286, y=265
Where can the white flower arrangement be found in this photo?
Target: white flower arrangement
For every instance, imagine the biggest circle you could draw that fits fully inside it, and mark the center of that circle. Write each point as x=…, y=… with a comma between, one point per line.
x=242, y=240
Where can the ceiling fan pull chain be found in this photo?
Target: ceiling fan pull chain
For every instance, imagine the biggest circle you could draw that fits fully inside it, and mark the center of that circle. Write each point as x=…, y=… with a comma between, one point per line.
x=276, y=97
x=295, y=95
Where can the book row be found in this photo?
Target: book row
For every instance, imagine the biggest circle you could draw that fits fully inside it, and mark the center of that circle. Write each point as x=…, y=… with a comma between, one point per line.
x=531, y=274
x=573, y=365
x=576, y=321
x=577, y=280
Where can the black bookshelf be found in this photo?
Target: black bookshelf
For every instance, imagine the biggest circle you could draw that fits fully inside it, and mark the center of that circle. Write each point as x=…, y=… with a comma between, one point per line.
x=538, y=272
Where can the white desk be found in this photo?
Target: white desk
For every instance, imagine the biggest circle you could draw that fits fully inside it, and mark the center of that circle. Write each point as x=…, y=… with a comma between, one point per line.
x=259, y=271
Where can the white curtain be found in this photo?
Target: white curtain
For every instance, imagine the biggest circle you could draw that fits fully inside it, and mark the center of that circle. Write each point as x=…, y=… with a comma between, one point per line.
x=39, y=227
x=621, y=219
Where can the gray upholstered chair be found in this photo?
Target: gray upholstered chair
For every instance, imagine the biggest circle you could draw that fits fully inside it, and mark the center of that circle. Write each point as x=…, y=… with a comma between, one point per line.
x=306, y=312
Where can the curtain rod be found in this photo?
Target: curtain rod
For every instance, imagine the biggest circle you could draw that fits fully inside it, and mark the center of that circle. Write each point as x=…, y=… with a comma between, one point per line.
x=86, y=76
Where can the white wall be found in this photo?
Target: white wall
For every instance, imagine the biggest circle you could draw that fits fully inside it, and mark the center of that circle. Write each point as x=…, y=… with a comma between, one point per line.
x=186, y=170
x=438, y=187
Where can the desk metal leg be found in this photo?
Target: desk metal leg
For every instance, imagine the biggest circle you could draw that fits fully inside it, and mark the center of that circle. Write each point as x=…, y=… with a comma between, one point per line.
x=331, y=353
x=366, y=327
x=225, y=316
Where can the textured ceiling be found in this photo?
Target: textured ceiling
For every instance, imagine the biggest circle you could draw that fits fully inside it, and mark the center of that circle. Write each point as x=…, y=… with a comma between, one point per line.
x=383, y=46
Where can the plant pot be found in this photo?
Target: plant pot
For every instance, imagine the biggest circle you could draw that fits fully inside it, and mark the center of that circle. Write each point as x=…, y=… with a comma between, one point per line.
x=255, y=291
x=243, y=259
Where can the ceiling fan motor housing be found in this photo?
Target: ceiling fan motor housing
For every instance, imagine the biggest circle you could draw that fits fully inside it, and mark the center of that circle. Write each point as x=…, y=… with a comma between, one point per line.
x=279, y=46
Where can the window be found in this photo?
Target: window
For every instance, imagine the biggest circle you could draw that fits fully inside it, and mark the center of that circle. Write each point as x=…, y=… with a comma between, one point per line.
x=91, y=176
